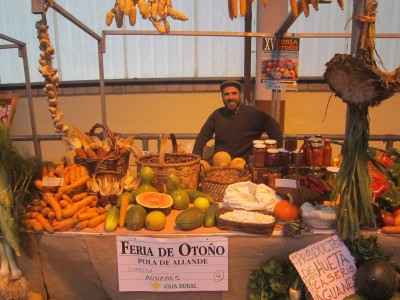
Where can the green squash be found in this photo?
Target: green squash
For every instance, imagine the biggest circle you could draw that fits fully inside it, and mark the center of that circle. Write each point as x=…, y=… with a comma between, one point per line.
x=180, y=198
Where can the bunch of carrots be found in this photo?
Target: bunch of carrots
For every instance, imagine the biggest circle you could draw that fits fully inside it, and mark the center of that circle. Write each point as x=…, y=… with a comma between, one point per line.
x=57, y=211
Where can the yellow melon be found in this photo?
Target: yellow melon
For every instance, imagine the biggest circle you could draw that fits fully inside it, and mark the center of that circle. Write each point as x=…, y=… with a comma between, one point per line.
x=222, y=159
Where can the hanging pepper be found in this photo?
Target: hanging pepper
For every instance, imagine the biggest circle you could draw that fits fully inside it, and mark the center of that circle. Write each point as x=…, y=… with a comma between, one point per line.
x=385, y=160
x=394, y=154
x=394, y=171
x=379, y=184
x=390, y=200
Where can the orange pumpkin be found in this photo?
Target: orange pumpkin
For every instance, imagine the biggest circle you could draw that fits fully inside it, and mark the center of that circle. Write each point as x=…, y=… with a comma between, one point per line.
x=286, y=210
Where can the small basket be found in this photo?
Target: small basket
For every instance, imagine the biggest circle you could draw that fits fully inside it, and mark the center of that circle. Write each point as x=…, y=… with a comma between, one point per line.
x=115, y=164
x=256, y=228
x=215, y=180
x=185, y=166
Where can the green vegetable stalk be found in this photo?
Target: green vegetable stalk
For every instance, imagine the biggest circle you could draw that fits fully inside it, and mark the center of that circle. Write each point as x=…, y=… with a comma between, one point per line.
x=352, y=182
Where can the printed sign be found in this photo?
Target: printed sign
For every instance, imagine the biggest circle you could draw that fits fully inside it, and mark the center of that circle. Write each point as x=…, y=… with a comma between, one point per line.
x=326, y=268
x=172, y=265
x=280, y=63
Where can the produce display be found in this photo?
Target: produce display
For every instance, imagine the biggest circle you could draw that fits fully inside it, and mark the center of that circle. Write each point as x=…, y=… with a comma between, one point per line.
x=156, y=11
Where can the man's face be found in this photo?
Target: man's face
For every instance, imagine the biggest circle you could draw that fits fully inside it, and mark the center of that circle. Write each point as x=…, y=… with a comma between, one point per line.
x=231, y=97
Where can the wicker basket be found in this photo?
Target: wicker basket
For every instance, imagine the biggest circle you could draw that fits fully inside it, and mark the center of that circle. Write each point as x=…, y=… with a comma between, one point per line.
x=215, y=180
x=257, y=228
x=185, y=166
x=116, y=164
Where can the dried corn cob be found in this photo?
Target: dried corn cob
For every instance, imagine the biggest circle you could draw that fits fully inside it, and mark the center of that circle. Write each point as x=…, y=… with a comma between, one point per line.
x=341, y=4
x=132, y=15
x=305, y=7
x=128, y=5
x=109, y=18
x=176, y=15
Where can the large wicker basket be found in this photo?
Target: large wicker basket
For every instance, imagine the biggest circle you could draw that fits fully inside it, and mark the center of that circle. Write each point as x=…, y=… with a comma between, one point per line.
x=215, y=180
x=185, y=166
x=115, y=164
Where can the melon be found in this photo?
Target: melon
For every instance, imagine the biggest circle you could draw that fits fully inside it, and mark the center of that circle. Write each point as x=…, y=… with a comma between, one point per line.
x=135, y=217
x=155, y=201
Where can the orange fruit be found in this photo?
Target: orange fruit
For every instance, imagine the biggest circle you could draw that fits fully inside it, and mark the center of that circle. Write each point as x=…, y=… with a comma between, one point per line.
x=222, y=159
x=238, y=162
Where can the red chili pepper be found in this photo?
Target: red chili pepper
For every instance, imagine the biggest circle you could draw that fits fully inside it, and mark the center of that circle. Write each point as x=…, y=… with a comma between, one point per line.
x=386, y=161
x=379, y=187
x=377, y=176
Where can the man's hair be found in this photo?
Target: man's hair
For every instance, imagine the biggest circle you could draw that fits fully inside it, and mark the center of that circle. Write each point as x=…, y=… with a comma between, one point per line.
x=236, y=84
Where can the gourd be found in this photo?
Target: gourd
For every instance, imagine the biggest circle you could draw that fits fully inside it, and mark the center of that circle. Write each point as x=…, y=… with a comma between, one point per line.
x=210, y=215
x=146, y=175
x=112, y=219
x=135, y=217
x=318, y=216
x=190, y=218
x=180, y=198
x=194, y=194
x=377, y=279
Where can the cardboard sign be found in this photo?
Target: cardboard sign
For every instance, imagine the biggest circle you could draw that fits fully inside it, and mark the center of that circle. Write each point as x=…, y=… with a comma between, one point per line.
x=326, y=268
x=172, y=265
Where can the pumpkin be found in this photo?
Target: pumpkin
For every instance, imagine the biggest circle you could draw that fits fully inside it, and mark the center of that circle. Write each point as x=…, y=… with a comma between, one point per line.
x=286, y=210
x=377, y=279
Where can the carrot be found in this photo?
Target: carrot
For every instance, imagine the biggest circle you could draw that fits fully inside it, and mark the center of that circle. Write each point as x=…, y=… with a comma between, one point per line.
x=94, y=203
x=51, y=215
x=28, y=223
x=79, y=197
x=87, y=215
x=74, y=185
x=81, y=225
x=46, y=225
x=64, y=203
x=65, y=175
x=37, y=226
x=54, y=204
x=65, y=224
x=39, y=186
x=80, y=211
x=67, y=198
x=391, y=229
x=73, y=208
x=94, y=222
x=45, y=211
x=123, y=208
x=58, y=196
x=73, y=175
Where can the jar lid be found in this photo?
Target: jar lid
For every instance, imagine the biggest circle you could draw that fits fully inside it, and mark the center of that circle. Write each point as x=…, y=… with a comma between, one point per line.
x=258, y=142
x=291, y=136
x=274, y=151
x=275, y=170
x=260, y=146
x=283, y=150
x=327, y=140
x=270, y=142
x=332, y=169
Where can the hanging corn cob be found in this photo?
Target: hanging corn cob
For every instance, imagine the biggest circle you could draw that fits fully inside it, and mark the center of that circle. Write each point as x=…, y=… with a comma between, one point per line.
x=156, y=11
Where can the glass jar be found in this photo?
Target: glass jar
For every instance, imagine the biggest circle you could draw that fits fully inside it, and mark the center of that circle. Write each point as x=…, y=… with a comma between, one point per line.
x=331, y=174
x=293, y=157
x=272, y=158
x=314, y=152
x=259, y=155
x=290, y=142
x=327, y=153
x=283, y=158
x=272, y=175
x=271, y=144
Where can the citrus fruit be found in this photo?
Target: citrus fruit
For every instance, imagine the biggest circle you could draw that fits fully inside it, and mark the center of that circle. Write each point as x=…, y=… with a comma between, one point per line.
x=202, y=203
x=221, y=159
x=155, y=220
x=238, y=162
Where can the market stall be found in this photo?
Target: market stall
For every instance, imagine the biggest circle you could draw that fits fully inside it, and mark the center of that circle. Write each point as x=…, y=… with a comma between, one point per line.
x=82, y=207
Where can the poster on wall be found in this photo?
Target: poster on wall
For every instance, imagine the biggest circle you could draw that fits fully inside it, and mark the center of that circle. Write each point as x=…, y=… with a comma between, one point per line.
x=280, y=63
x=172, y=265
x=327, y=268
x=8, y=105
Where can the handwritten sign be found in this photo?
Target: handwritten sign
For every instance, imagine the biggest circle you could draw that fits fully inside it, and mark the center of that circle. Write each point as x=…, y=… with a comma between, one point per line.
x=327, y=269
x=172, y=265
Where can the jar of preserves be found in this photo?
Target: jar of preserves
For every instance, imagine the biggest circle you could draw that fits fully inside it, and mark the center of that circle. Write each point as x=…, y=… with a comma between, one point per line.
x=272, y=158
x=331, y=174
x=314, y=152
x=327, y=153
x=290, y=142
x=293, y=157
x=272, y=175
x=259, y=155
x=271, y=144
x=284, y=157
